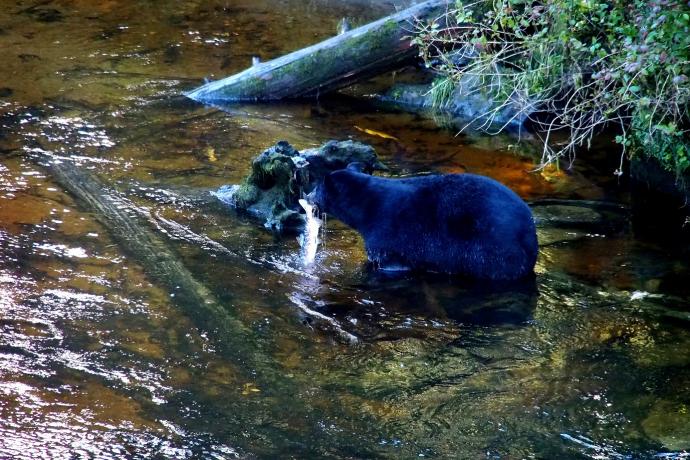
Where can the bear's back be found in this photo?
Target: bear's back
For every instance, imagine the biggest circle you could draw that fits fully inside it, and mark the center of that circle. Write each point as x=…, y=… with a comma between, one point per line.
x=460, y=223
x=458, y=199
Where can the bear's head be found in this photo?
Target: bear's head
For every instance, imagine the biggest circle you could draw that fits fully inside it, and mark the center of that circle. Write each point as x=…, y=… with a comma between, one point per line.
x=341, y=192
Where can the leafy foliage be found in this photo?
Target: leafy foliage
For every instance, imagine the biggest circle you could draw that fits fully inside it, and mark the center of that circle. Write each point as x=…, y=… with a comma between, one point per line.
x=582, y=63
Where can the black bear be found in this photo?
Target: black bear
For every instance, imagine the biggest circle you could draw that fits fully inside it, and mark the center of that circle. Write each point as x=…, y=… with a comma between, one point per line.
x=457, y=223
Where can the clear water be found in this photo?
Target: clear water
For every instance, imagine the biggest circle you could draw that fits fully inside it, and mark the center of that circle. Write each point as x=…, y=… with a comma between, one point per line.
x=96, y=361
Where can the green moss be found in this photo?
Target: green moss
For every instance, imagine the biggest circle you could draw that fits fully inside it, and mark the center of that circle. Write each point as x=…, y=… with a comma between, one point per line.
x=357, y=50
x=246, y=195
x=281, y=174
x=267, y=173
x=248, y=88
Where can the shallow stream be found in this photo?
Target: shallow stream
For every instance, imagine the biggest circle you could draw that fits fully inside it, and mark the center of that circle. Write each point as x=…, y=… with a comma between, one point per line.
x=98, y=361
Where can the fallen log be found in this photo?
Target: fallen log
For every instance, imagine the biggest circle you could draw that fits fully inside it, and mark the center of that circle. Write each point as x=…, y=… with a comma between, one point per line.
x=136, y=237
x=257, y=368
x=332, y=64
x=159, y=262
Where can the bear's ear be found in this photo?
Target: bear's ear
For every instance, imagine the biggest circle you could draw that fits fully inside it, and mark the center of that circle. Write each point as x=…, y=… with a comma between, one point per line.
x=357, y=166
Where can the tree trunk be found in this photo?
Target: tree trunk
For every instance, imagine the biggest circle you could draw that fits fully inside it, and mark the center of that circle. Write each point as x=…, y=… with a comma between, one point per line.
x=332, y=64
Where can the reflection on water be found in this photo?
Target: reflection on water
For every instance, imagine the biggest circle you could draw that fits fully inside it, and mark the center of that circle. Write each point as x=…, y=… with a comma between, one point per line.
x=589, y=360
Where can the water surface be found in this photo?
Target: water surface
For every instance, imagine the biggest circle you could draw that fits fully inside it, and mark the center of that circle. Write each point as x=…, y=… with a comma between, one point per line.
x=98, y=361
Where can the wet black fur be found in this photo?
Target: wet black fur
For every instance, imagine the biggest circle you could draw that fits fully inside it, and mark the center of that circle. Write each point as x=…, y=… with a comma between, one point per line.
x=458, y=223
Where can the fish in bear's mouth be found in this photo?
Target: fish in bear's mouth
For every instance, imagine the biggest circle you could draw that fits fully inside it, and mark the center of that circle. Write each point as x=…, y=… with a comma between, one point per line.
x=309, y=239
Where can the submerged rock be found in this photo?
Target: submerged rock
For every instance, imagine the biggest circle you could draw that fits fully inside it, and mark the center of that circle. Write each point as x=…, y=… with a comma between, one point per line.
x=554, y=235
x=565, y=216
x=575, y=219
x=281, y=175
x=669, y=424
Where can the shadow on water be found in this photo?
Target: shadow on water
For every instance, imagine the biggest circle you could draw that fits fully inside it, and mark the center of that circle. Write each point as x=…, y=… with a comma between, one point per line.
x=468, y=302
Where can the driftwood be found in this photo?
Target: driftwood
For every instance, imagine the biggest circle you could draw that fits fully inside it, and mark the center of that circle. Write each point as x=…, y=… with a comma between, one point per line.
x=137, y=238
x=332, y=64
x=159, y=262
x=261, y=373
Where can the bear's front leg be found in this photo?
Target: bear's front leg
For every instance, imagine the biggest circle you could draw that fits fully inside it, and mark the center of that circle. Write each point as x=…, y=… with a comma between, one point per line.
x=387, y=260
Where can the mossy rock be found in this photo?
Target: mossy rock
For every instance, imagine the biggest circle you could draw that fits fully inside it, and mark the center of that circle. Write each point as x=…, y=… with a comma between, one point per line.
x=246, y=194
x=273, y=167
x=281, y=175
